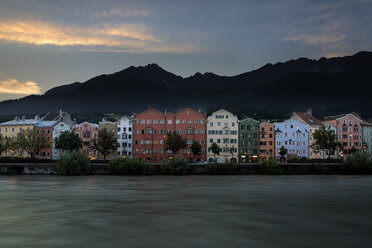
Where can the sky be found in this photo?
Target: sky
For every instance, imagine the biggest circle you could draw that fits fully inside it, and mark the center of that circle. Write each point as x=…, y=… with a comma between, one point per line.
x=46, y=43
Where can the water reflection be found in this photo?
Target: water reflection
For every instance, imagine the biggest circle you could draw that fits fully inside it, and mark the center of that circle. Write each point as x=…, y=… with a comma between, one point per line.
x=190, y=211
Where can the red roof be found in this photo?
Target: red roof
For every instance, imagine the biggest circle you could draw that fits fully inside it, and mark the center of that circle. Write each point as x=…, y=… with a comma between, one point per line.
x=309, y=119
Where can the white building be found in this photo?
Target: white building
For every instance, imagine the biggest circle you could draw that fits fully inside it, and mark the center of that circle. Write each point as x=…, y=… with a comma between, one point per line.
x=222, y=129
x=125, y=135
x=57, y=130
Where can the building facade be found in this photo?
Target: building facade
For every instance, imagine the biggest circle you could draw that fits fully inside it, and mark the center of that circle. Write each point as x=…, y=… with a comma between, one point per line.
x=88, y=132
x=11, y=129
x=294, y=136
x=150, y=132
x=125, y=137
x=367, y=138
x=349, y=132
x=248, y=140
x=267, y=141
x=45, y=128
x=223, y=129
x=314, y=124
x=57, y=130
x=111, y=127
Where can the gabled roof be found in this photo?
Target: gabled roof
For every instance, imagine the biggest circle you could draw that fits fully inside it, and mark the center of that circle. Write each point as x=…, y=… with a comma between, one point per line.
x=249, y=118
x=191, y=109
x=336, y=117
x=148, y=109
x=89, y=123
x=307, y=118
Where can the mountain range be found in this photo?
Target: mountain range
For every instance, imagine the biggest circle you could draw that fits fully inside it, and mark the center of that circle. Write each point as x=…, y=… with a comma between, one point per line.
x=329, y=86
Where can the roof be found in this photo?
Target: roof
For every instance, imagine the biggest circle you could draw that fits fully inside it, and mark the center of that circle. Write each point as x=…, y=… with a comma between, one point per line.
x=51, y=116
x=46, y=123
x=20, y=122
x=335, y=117
x=308, y=119
x=89, y=123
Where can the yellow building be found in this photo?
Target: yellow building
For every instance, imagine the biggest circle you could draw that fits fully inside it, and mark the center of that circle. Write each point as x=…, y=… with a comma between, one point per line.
x=12, y=128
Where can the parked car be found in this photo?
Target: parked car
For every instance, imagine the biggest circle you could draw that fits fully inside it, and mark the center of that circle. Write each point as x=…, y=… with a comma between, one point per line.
x=221, y=160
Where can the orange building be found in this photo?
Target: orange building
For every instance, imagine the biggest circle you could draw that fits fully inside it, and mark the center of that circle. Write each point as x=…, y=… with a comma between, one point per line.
x=267, y=141
x=88, y=132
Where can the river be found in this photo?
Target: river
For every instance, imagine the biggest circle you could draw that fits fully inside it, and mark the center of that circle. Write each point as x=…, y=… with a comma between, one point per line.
x=186, y=211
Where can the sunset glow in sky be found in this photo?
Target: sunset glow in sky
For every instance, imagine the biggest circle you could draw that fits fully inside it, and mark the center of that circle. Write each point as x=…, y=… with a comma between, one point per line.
x=44, y=44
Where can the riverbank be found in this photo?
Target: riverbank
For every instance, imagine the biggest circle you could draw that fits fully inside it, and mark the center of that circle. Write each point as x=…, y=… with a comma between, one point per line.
x=195, y=169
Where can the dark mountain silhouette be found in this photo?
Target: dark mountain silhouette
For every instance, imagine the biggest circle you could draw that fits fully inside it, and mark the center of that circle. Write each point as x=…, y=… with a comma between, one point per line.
x=329, y=86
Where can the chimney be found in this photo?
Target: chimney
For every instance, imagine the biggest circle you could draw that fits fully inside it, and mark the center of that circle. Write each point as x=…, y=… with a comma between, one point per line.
x=23, y=117
x=60, y=114
x=37, y=117
x=103, y=120
x=165, y=111
x=16, y=118
x=309, y=111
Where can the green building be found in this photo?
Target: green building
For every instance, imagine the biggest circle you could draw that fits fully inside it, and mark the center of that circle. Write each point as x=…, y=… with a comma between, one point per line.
x=367, y=138
x=248, y=140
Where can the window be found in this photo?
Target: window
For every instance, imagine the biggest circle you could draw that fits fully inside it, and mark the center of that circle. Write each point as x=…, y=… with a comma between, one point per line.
x=218, y=141
x=201, y=121
x=190, y=122
x=210, y=124
x=202, y=131
x=169, y=122
x=178, y=122
x=148, y=121
x=218, y=124
x=142, y=121
x=161, y=122
x=196, y=122
x=226, y=124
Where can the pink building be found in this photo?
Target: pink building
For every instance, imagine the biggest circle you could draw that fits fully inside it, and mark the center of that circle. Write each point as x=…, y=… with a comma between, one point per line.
x=349, y=131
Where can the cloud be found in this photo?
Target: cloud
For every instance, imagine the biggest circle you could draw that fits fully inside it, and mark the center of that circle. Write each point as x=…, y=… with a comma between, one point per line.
x=123, y=37
x=13, y=86
x=121, y=13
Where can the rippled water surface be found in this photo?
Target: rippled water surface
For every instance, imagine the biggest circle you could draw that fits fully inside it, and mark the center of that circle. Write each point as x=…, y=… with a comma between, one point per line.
x=186, y=211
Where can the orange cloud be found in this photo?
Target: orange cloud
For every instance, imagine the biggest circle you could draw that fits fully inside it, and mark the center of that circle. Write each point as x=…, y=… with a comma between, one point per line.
x=13, y=86
x=127, y=38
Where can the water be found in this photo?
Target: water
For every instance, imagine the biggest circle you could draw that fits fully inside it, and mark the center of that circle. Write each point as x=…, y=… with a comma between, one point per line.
x=186, y=211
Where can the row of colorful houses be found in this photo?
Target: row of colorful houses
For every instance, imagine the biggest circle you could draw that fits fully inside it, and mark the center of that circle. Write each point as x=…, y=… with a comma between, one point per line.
x=143, y=135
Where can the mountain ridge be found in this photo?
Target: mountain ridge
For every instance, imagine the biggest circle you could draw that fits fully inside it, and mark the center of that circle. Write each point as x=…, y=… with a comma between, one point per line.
x=323, y=84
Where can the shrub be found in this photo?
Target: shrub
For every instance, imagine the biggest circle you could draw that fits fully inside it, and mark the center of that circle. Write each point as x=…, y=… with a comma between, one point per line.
x=357, y=163
x=223, y=169
x=74, y=163
x=176, y=166
x=269, y=167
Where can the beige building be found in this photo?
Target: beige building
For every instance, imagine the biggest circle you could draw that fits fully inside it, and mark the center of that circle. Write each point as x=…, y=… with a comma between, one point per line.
x=111, y=127
x=222, y=129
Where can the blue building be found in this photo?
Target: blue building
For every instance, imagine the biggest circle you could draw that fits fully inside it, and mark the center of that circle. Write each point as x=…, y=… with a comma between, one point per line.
x=294, y=136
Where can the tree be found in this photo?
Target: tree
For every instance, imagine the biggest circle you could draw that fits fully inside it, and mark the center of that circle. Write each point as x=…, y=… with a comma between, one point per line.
x=215, y=149
x=3, y=144
x=282, y=152
x=68, y=142
x=232, y=151
x=175, y=142
x=196, y=148
x=325, y=140
x=106, y=143
x=30, y=141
